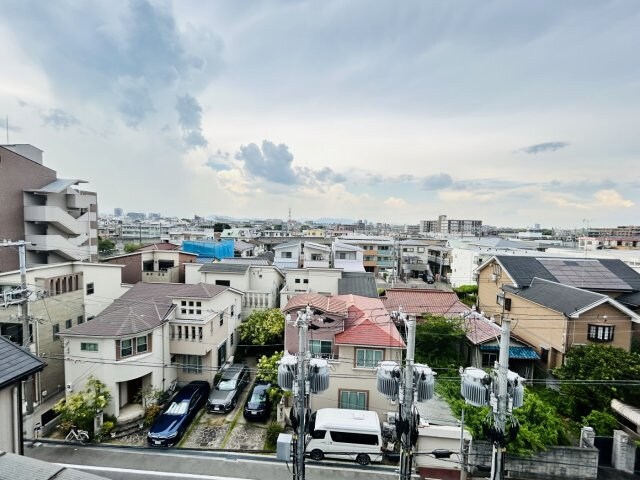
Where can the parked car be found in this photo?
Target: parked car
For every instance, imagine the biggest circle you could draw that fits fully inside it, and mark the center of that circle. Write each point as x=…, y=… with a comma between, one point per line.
x=224, y=396
x=170, y=425
x=428, y=277
x=258, y=405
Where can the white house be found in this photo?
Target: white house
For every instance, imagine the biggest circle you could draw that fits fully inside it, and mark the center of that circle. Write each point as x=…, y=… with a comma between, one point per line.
x=152, y=336
x=316, y=255
x=288, y=255
x=350, y=258
x=259, y=282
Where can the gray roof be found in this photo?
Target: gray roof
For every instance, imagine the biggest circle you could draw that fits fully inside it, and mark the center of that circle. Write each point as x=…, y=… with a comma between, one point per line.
x=287, y=245
x=225, y=268
x=358, y=283
x=57, y=186
x=558, y=297
x=144, y=307
x=630, y=299
x=591, y=273
x=17, y=363
x=18, y=467
x=240, y=245
x=253, y=261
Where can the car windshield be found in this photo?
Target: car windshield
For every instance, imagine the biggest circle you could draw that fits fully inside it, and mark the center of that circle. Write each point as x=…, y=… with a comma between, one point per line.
x=258, y=396
x=178, y=408
x=227, y=385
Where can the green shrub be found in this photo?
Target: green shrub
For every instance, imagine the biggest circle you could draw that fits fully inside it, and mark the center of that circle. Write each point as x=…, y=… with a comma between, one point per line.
x=602, y=422
x=106, y=429
x=151, y=413
x=273, y=430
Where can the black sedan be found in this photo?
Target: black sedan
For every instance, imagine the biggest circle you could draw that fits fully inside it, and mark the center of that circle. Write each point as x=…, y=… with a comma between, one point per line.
x=224, y=396
x=258, y=405
x=170, y=426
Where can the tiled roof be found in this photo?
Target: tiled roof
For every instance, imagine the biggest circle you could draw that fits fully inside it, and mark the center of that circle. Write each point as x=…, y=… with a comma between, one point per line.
x=358, y=283
x=224, y=267
x=328, y=304
x=345, y=247
x=162, y=246
x=418, y=301
x=241, y=245
x=17, y=363
x=144, y=307
x=287, y=245
x=558, y=297
x=251, y=261
x=370, y=328
x=317, y=246
x=479, y=329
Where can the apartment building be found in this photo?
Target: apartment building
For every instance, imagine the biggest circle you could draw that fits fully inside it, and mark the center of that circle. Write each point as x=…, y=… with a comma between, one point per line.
x=58, y=219
x=444, y=225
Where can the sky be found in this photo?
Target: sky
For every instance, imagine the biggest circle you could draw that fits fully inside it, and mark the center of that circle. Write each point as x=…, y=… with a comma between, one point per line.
x=514, y=113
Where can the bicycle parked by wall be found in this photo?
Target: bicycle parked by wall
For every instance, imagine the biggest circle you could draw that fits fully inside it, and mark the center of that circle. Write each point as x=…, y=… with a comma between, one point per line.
x=76, y=435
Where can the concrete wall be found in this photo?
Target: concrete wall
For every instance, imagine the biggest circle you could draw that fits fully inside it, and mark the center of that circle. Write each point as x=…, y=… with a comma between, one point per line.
x=9, y=409
x=239, y=281
x=16, y=174
x=556, y=462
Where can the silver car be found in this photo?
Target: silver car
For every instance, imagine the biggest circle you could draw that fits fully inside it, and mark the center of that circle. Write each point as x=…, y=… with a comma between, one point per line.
x=224, y=397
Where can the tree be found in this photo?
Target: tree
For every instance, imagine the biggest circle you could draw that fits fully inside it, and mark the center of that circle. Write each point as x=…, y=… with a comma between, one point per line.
x=268, y=368
x=131, y=247
x=595, y=374
x=439, y=341
x=468, y=294
x=262, y=327
x=105, y=245
x=218, y=227
x=81, y=408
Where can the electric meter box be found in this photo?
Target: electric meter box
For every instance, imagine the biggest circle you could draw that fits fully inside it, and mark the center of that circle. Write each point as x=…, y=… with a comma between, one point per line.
x=283, y=451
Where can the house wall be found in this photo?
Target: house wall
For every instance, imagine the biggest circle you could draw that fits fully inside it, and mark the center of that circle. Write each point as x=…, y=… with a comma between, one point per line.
x=16, y=174
x=309, y=251
x=578, y=328
x=463, y=265
x=132, y=271
x=9, y=410
x=192, y=273
x=489, y=289
x=239, y=281
x=80, y=365
x=345, y=376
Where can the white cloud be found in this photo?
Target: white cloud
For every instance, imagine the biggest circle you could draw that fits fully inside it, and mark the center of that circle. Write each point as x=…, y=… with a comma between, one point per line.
x=395, y=202
x=611, y=198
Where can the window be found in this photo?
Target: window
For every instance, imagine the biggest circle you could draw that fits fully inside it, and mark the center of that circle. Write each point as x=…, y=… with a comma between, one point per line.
x=200, y=333
x=89, y=347
x=318, y=434
x=80, y=319
x=489, y=359
x=126, y=348
x=193, y=333
x=321, y=348
x=601, y=333
x=221, y=318
x=306, y=280
x=191, y=364
x=179, y=332
x=232, y=309
x=183, y=303
x=285, y=255
x=68, y=323
x=90, y=288
x=420, y=249
x=183, y=311
x=352, y=437
x=191, y=311
x=198, y=304
x=297, y=280
x=198, y=311
x=56, y=329
x=231, y=339
x=316, y=257
x=141, y=344
x=223, y=283
x=353, y=400
x=367, y=358
x=191, y=304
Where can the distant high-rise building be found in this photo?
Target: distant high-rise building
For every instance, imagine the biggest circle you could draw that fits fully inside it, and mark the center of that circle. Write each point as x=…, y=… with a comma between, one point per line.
x=445, y=225
x=117, y=212
x=58, y=220
x=137, y=215
x=154, y=216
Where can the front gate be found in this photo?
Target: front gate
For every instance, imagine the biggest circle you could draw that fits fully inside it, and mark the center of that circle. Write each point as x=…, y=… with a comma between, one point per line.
x=605, y=448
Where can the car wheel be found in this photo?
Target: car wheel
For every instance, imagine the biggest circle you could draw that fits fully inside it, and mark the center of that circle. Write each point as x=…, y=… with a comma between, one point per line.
x=363, y=459
x=316, y=454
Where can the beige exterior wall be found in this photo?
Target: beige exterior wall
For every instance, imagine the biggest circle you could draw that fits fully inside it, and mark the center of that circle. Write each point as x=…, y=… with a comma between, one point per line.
x=9, y=408
x=578, y=328
x=346, y=376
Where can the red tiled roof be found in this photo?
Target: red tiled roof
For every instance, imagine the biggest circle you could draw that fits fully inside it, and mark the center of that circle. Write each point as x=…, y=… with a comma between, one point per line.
x=479, y=329
x=328, y=304
x=370, y=334
x=420, y=301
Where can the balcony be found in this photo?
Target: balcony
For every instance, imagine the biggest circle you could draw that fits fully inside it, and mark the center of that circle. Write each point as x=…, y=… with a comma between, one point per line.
x=165, y=275
x=256, y=301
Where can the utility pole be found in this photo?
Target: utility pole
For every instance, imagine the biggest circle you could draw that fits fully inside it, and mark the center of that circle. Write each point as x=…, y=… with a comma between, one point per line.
x=300, y=391
x=406, y=412
x=24, y=313
x=497, y=465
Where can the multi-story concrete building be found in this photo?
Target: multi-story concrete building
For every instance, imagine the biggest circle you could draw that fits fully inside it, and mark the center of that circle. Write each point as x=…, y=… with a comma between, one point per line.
x=58, y=220
x=443, y=225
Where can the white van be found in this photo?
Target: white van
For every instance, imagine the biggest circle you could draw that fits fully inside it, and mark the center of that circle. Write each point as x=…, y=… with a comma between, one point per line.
x=342, y=433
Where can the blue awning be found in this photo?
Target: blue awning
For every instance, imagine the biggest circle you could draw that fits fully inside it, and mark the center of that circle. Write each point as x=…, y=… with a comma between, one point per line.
x=520, y=353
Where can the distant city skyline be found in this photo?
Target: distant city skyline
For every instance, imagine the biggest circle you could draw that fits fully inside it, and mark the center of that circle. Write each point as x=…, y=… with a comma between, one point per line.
x=512, y=113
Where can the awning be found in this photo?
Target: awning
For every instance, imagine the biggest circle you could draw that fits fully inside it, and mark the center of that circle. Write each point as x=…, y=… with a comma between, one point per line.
x=627, y=411
x=520, y=353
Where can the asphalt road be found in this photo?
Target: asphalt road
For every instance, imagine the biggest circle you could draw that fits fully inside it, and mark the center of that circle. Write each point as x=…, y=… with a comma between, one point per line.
x=142, y=464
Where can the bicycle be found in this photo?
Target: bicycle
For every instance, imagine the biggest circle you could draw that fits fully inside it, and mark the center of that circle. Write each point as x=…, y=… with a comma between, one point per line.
x=77, y=435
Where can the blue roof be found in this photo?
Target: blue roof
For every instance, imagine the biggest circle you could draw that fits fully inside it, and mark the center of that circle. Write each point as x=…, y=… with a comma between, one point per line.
x=519, y=353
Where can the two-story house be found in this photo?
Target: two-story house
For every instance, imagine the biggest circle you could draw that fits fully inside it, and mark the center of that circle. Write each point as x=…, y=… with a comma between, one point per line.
x=152, y=336
x=258, y=280
x=153, y=264
x=355, y=334
x=316, y=255
x=560, y=302
x=350, y=258
x=288, y=255
x=327, y=281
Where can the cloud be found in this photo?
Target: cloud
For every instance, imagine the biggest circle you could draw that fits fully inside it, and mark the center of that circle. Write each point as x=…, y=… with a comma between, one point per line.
x=611, y=198
x=395, y=202
x=270, y=162
x=59, y=119
x=436, y=182
x=543, y=148
x=134, y=100
x=328, y=175
x=190, y=121
x=219, y=161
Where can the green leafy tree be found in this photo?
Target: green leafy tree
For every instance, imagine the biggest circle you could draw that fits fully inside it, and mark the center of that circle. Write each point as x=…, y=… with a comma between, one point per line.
x=595, y=374
x=81, y=408
x=262, y=327
x=268, y=368
x=219, y=227
x=105, y=245
x=602, y=422
x=439, y=341
x=468, y=294
x=131, y=247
